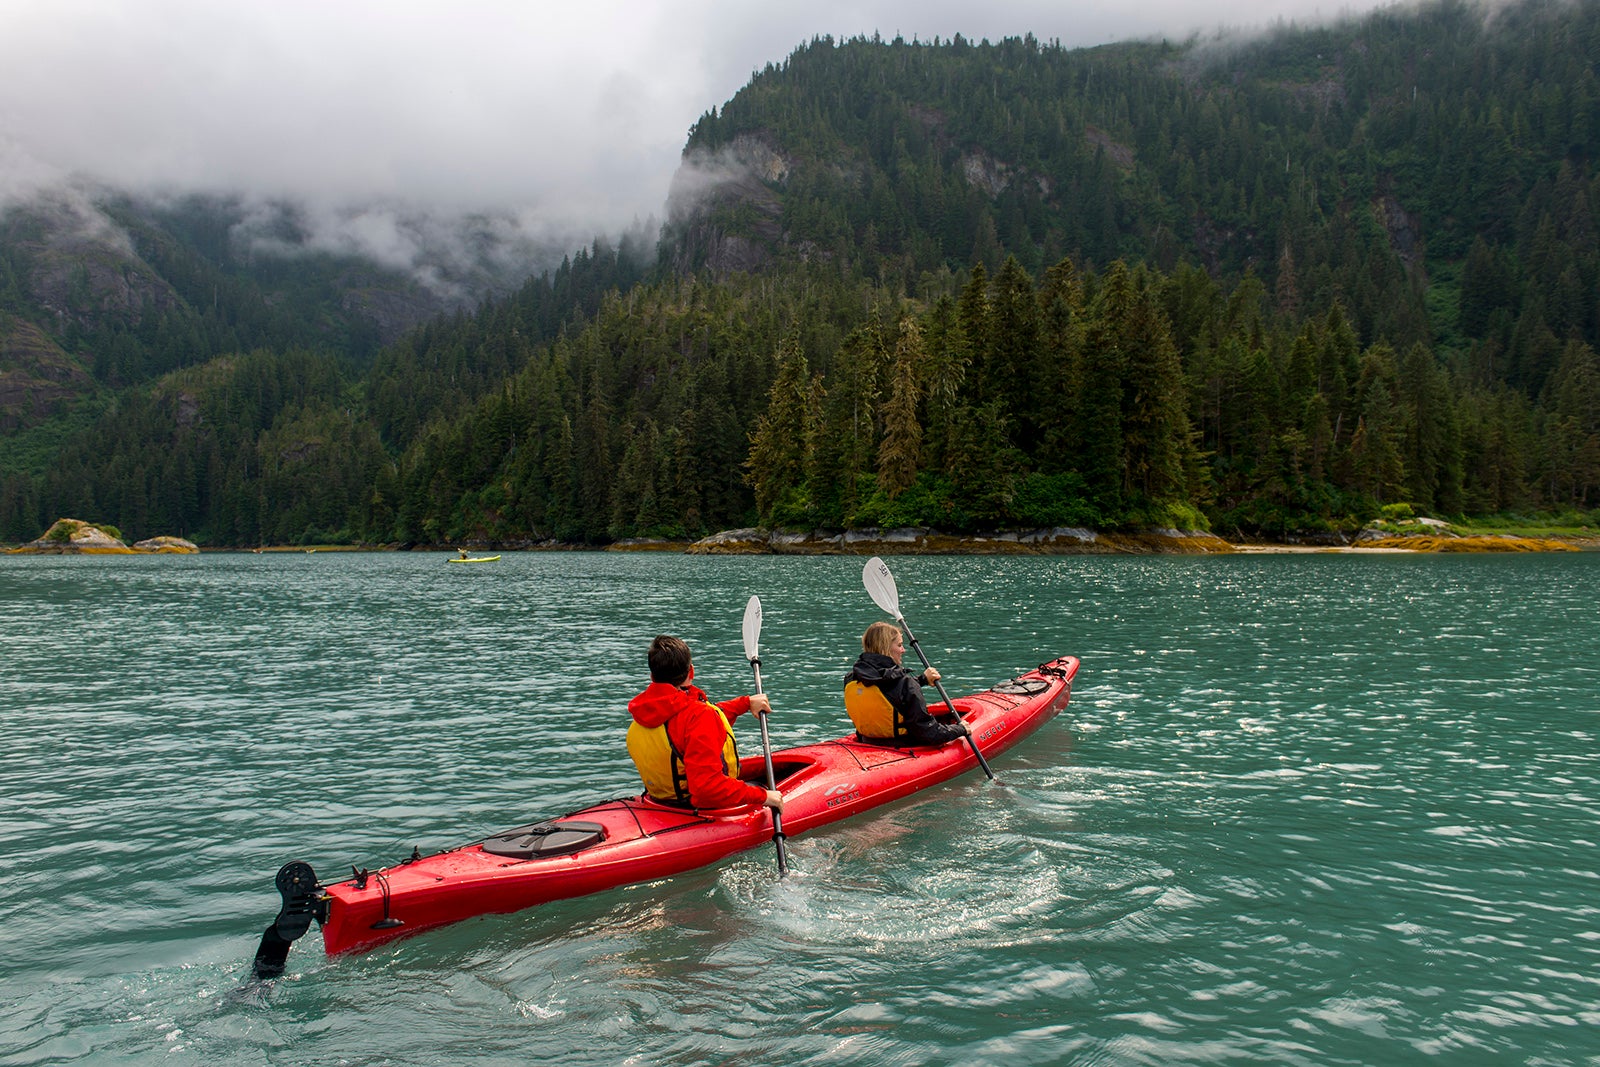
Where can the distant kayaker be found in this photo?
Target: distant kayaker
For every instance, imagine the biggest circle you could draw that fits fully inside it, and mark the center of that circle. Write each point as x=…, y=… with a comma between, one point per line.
x=463, y=553
x=683, y=744
x=886, y=703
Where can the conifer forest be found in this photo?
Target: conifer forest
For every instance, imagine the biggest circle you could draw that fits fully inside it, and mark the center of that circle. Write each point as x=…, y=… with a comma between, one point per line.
x=1266, y=287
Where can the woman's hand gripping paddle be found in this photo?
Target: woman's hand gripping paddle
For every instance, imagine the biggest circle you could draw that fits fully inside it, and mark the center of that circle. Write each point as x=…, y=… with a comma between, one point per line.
x=880, y=584
x=752, y=652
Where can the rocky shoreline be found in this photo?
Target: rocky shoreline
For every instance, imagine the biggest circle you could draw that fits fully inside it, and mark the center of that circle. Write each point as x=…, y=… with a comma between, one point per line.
x=72, y=537
x=917, y=541
x=1075, y=541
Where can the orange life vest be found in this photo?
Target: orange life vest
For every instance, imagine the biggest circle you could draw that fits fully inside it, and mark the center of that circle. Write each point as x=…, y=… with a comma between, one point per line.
x=874, y=716
x=661, y=764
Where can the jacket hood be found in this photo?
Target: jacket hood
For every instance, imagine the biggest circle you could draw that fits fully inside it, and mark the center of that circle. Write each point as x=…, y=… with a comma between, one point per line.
x=660, y=702
x=873, y=668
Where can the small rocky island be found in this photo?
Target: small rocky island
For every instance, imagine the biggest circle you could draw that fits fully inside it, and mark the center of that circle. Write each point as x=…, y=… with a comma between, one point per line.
x=68, y=537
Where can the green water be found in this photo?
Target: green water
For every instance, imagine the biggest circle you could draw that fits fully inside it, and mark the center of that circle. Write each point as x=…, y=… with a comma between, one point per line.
x=1301, y=810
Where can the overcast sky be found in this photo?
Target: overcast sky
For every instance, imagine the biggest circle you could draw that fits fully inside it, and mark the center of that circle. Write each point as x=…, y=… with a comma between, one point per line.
x=571, y=115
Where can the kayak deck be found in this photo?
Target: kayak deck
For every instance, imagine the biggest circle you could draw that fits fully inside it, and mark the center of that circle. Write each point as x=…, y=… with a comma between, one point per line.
x=636, y=839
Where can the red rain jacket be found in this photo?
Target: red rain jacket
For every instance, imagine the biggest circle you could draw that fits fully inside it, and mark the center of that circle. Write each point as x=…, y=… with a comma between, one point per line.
x=694, y=728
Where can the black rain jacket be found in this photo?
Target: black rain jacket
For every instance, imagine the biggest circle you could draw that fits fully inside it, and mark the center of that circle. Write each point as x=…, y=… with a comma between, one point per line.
x=905, y=693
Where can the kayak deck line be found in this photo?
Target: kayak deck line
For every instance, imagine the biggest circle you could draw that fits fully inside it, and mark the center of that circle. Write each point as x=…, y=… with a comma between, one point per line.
x=629, y=840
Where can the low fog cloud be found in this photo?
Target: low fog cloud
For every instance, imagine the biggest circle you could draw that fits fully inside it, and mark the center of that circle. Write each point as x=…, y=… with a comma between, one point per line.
x=399, y=126
x=459, y=256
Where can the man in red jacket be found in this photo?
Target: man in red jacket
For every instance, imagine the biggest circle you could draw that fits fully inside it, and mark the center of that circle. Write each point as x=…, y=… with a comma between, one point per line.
x=683, y=744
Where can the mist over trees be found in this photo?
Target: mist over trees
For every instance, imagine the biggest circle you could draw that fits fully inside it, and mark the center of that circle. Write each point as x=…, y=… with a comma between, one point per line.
x=1270, y=288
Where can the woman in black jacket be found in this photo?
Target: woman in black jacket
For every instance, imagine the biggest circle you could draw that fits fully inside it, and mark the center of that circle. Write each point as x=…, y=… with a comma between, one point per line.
x=885, y=702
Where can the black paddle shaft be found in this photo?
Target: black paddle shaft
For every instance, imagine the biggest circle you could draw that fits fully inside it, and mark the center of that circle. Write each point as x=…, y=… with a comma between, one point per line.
x=766, y=751
x=972, y=742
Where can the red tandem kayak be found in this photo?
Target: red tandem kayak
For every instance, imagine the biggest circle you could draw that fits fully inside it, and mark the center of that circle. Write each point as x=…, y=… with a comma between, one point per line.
x=634, y=839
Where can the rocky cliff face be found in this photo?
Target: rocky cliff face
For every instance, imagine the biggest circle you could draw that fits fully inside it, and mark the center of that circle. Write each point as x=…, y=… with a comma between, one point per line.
x=391, y=312
x=37, y=378
x=725, y=208
x=82, y=267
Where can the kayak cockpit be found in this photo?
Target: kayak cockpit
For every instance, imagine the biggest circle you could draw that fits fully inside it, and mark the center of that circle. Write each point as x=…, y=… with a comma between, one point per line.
x=786, y=772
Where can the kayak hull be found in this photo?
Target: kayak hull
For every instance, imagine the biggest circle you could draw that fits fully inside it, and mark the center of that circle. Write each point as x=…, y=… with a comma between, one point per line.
x=473, y=559
x=634, y=839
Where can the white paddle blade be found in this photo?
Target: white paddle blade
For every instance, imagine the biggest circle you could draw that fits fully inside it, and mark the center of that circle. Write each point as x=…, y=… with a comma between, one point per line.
x=752, y=629
x=880, y=584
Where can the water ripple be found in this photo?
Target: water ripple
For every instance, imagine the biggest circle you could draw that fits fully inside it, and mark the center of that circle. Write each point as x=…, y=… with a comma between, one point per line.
x=1302, y=810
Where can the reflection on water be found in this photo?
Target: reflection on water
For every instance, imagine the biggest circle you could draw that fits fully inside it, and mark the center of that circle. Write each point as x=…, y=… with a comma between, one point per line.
x=1301, y=809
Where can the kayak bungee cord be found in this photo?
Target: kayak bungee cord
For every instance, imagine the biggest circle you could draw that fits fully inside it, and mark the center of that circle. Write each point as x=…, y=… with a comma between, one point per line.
x=627, y=805
x=388, y=922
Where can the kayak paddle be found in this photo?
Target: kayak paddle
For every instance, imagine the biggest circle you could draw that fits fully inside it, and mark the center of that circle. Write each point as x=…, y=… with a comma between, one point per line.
x=880, y=584
x=752, y=652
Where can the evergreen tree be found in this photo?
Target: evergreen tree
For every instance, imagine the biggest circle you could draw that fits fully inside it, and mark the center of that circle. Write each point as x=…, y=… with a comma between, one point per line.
x=1156, y=435
x=900, y=452
x=1016, y=363
x=1098, y=444
x=777, y=458
x=946, y=368
x=1058, y=376
x=1377, y=462
x=1571, y=459
x=1431, y=452
x=974, y=315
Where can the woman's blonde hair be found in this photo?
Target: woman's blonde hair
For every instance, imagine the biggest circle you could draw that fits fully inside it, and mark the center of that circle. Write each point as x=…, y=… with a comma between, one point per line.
x=880, y=637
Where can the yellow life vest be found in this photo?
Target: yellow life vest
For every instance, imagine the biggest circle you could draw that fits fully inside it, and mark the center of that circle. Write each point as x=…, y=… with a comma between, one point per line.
x=661, y=764
x=872, y=713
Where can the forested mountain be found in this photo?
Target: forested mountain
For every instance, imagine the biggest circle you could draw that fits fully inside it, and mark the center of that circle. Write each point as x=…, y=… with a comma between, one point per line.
x=1272, y=286
x=132, y=290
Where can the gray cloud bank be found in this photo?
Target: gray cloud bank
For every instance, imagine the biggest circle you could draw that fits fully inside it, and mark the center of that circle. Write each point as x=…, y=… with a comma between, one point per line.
x=400, y=125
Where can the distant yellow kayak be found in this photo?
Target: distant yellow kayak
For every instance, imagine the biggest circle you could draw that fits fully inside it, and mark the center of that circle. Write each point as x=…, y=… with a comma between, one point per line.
x=472, y=559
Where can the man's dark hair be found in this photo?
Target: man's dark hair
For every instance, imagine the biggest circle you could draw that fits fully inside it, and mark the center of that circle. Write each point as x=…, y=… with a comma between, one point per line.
x=669, y=660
